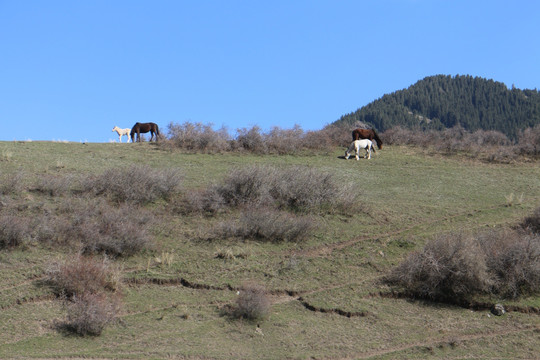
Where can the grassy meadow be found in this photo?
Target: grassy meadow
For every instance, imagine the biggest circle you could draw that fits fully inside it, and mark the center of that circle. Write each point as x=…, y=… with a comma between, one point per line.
x=326, y=294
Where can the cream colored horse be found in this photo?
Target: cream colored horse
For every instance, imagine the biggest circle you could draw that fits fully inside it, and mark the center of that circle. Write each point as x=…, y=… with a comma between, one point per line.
x=121, y=132
x=360, y=144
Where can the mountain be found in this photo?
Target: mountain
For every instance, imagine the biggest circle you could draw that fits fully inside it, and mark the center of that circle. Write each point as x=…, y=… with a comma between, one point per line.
x=442, y=101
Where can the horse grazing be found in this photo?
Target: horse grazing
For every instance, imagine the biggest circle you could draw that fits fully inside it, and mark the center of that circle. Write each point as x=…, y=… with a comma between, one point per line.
x=121, y=132
x=356, y=145
x=370, y=134
x=139, y=128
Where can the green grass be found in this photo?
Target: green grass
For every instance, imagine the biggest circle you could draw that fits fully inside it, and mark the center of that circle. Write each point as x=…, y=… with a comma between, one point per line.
x=406, y=198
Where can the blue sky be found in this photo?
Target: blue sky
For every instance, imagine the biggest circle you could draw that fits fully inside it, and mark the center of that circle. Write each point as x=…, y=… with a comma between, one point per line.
x=240, y=63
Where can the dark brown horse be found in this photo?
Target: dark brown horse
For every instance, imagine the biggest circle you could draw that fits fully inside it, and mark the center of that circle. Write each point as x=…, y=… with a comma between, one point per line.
x=367, y=134
x=139, y=128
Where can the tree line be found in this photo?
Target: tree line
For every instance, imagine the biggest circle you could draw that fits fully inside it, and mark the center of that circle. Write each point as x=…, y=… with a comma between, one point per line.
x=441, y=101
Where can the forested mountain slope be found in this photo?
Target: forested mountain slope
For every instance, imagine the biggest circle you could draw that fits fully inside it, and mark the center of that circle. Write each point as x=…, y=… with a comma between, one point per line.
x=441, y=101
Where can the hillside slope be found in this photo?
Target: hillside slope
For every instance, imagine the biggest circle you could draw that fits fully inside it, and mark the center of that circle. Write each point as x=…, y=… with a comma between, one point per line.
x=441, y=101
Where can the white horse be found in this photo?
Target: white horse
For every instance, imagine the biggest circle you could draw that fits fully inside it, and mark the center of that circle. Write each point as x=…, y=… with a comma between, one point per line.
x=121, y=132
x=360, y=144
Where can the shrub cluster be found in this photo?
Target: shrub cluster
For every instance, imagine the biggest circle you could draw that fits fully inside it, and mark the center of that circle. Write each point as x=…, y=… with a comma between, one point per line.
x=297, y=188
x=135, y=184
x=90, y=289
x=14, y=231
x=269, y=197
x=532, y=222
x=82, y=274
x=449, y=267
x=491, y=144
x=198, y=138
x=202, y=138
x=458, y=266
x=96, y=227
x=10, y=183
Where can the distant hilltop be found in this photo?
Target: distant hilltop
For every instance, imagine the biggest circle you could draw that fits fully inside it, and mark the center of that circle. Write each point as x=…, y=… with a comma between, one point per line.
x=441, y=101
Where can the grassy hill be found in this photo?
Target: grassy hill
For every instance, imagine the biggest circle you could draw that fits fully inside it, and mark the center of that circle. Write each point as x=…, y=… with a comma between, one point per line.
x=438, y=102
x=326, y=294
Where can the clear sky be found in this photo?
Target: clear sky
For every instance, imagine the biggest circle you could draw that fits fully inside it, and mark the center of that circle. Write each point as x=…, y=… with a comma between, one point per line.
x=71, y=70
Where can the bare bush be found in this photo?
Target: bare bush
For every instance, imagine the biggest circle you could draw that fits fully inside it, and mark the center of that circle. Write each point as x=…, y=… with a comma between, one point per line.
x=529, y=141
x=252, y=302
x=206, y=201
x=199, y=137
x=54, y=185
x=136, y=184
x=456, y=267
x=14, y=231
x=265, y=224
x=306, y=189
x=328, y=138
x=11, y=183
x=449, y=268
x=89, y=313
x=95, y=227
x=246, y=185
x=284, y=141
x=513, y=260
x=532, y=222
x=296, y=188
x=81, y=274
x=251, y=140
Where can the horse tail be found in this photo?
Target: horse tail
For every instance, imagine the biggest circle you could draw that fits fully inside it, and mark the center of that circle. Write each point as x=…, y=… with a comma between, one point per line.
x=377, y=139
x=157, y=131
x=355, y=135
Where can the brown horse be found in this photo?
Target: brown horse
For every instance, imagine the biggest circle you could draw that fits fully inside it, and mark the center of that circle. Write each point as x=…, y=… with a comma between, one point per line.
x=139, y=128
x=367, y=134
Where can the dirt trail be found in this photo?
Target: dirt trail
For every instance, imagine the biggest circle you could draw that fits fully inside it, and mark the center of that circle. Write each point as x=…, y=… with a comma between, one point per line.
x=451, y=340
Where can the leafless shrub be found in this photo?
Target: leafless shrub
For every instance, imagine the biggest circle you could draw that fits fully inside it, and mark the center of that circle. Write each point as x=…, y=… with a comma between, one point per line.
x=266, y=224
x=136, y=184
x=529, y=141
x=306, y=189
x=11, y=183
x=81, y=274
x=513, y=260
x=54, y=185
x=251, y=140
x=489, y=138
x=199, y=137
x=297, y=188
x=501, y=155
x=532, y=222
x=205, y=201
x=89, y=313
x=94, y=226
x=246, y=185
x=14, y=231
x=456, y=267
x=451, y=267
x=284, y=141
x=252, y=302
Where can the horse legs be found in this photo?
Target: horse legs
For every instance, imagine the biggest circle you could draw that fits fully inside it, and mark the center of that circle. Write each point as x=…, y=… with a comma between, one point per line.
x=368, y=153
